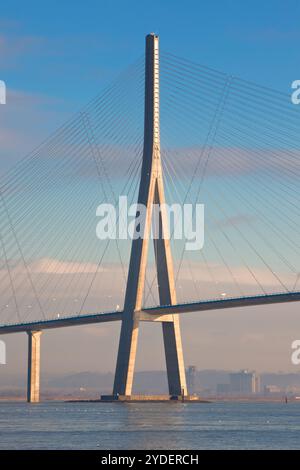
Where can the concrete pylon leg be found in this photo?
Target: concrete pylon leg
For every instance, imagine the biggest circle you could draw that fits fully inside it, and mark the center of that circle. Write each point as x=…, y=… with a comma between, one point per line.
x=34, y=366
x=167, y=296
x=174, y=357
x=126, y=356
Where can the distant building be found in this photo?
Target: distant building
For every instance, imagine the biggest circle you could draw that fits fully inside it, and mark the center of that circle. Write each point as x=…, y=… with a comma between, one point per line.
x=244, y=383
x=191, y=377
x=223, y=389
x=272, y=390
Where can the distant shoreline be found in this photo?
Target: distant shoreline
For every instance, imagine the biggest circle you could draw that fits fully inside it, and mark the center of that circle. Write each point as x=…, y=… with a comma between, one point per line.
x=74, y=399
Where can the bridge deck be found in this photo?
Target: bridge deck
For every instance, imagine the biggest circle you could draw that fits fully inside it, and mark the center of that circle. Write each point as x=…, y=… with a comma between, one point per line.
x=158, y=310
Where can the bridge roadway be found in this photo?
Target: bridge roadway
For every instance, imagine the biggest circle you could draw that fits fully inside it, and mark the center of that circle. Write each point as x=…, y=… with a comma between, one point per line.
x=159, y=311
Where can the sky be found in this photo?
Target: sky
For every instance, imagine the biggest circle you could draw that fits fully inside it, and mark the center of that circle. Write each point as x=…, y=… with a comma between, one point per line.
x=57, y=55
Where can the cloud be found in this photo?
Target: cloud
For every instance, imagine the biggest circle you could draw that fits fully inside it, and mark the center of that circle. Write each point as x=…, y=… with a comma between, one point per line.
x=14, y=47
x=241, y=273
x=54, y=266
x=13, y=140
x=68, y=288
x=224, y=161
x=235, y=220
x=24, y=123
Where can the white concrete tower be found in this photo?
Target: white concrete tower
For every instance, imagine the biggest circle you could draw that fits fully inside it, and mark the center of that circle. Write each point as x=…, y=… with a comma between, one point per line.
x=151, y=192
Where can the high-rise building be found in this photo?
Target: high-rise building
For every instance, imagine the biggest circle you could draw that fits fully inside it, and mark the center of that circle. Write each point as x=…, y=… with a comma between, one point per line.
x=191, y=377
x=244, y=382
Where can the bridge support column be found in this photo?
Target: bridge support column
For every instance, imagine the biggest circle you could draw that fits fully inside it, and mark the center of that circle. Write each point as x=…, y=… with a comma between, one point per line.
x=151, y=193
x=34, y=366
x=174, y=357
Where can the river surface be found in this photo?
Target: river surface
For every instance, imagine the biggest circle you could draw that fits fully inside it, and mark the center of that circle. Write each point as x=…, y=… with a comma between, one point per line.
x=152, y=426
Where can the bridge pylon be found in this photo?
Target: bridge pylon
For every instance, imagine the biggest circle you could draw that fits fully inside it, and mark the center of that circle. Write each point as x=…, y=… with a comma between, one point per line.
x=151, y=194
x=34, y=366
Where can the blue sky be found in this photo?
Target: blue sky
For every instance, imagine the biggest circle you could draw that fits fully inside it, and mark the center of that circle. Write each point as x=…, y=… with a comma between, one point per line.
x=54, y=56
x=68, y=50
x=256, y=39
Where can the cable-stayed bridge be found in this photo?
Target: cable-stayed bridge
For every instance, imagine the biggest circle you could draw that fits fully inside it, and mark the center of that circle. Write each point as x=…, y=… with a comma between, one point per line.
x=167, y=130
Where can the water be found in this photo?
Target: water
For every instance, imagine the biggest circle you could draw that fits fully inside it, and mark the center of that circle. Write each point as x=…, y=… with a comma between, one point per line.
x=150, y=426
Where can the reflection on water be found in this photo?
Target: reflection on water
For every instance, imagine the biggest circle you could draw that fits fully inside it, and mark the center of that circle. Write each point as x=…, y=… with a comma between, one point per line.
x=150, y=426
